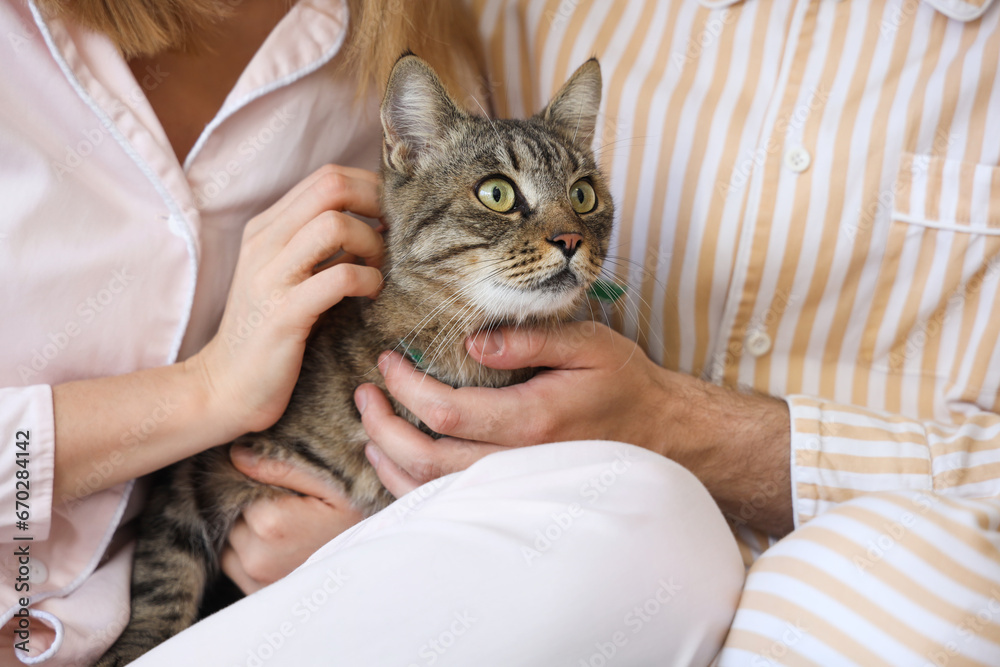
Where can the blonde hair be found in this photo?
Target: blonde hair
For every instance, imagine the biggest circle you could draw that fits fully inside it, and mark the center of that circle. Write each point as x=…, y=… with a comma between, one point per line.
x=442, y=32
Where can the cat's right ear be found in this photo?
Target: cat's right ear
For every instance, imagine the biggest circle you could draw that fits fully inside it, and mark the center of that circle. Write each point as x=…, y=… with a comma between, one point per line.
x=575, y=106
x=417, y=113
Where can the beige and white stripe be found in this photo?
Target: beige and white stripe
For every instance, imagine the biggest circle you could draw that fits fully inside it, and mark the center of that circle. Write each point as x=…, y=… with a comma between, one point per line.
x=809, y=206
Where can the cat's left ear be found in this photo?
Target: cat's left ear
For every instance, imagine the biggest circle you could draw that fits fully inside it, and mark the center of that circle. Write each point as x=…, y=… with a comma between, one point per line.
x=417, y=114
x=575, y=106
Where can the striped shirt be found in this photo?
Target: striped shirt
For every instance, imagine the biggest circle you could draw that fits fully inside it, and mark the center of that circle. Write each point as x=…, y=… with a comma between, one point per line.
x=808, y=202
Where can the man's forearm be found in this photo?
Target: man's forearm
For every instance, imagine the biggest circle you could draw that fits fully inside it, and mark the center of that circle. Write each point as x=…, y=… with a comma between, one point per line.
x=738, y=445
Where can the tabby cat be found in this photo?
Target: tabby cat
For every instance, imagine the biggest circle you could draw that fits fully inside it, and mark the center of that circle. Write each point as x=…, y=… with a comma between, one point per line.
x=490, y=223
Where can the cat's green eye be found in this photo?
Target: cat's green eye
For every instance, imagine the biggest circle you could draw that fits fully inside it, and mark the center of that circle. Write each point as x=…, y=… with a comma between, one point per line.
x=497, y=194
x=582, y=197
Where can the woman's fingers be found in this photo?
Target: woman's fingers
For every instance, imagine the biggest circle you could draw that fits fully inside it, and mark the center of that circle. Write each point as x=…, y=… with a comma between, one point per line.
x=285, y=474
x=322, y=238
x=328, y=287
x=318, y=192
x=332, y=191
x=277, y=533
x=233, y=568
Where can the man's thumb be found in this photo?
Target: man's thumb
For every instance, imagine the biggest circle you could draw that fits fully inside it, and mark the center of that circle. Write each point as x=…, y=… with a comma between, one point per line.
x=563, y=347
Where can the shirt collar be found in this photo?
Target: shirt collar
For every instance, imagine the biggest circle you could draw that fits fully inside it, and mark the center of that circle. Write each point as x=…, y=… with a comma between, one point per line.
x=960, y=10
x=306, y=38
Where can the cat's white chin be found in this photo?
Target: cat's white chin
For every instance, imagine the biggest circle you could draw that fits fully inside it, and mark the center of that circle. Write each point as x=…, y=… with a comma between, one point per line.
x=503, y=302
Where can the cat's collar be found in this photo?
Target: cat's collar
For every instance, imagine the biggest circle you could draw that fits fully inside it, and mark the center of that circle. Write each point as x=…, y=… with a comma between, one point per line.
x=413, y=354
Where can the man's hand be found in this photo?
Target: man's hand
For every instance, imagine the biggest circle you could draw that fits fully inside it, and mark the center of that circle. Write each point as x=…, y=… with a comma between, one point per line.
x=276, y=535
x=594, y=384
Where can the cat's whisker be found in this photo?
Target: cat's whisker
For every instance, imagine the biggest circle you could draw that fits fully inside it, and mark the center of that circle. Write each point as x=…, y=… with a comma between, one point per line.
x=453, y=281
x=396, y=263
x=630, y=265
x=489, y=330
x=460, y=293
x=468, y=317
x=486, y=114
x=437, y=351
x=576, y=130
x=417, y=328
x=590, y=307
x=632, y=314
x=484, y=316
x=460, y=332
x=597, y=151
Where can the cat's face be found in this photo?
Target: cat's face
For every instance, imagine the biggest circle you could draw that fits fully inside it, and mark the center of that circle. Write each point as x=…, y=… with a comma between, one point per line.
x=510, y=218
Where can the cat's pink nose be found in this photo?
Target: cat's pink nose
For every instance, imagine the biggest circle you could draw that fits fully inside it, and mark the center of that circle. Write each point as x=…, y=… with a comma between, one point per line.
x=568, y=242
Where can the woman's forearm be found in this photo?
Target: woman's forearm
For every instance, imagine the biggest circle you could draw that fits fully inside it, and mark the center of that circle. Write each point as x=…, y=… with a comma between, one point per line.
x=113, y=429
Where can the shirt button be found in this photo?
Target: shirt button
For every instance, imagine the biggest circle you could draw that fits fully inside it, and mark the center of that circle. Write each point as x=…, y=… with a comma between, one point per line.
x=758, y=343
x=37, y=572
x=797, y=159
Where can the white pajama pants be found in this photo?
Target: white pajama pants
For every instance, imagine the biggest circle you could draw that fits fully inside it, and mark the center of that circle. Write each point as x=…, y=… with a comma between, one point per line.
x=583, y=554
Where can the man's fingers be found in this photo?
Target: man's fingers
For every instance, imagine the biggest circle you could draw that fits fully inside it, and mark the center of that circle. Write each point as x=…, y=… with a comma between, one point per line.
x=570, y=346
x=387, y=430
x=391, y=475
x=405, y=456
x=470, y=413
x=397, y=435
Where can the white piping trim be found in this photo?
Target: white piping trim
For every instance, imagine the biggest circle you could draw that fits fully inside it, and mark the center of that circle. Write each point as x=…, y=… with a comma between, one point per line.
x=226, y=113
x=72, y=586
x=56, y=643
x=53, y=620
x=184, y=231
x=98, y=553
x=947, y=225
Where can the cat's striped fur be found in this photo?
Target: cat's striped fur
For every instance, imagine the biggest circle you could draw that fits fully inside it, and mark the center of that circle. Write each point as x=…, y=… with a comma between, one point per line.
x=453, y=266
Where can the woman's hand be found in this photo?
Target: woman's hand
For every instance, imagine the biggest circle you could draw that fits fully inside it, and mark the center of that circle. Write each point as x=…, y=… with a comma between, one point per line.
x=595, y=384
x=282, y=283
x=276, y=535
x=242, y=380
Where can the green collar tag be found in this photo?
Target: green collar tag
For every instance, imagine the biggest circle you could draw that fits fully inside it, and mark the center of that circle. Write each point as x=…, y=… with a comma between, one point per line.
x=414, y=355
x=606, y=291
